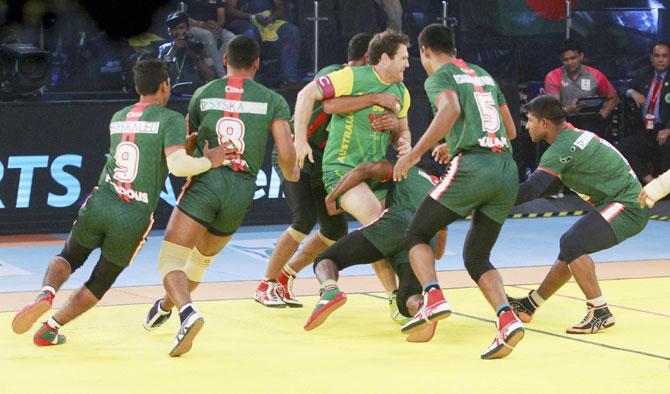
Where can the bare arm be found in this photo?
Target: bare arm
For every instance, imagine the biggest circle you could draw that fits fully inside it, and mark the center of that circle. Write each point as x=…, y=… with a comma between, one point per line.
x=379, y=171
x=609, y=106
x=304, y=106
x=281, y=132
x=447, y=114
x=349, y=104
x=401, y=131
x=221, y=16
x=510, y=127
x=234, y=13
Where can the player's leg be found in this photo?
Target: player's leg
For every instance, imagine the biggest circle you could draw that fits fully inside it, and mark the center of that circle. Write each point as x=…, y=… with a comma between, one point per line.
x=410, y=300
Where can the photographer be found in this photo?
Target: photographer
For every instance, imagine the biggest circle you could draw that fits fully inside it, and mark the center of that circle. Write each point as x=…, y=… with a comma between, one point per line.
x=185, y=54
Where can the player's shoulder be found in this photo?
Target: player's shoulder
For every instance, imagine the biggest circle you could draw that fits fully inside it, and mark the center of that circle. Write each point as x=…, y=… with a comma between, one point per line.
x=259, y=91
x=329, y=69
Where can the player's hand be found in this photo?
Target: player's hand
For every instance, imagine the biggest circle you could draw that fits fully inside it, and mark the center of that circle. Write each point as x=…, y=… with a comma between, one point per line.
x=294, y=176
x=639, y=99
x=573, y=108
x=213, y=27
x=644, y=200
x=388, y=121
x=331, y=205
x=388, y=101
x=403, y=147
x=403, y=165
x=191, y=140
x=663, y=136
x=302, y=150
x=441, y=153
x=220, y=155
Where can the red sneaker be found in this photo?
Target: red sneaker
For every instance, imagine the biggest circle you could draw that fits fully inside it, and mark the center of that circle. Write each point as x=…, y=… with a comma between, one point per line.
x=48, y=336
x=510, y=332
x=434, y=308
x=266, y=294
x=285, y=289
x=27, y=316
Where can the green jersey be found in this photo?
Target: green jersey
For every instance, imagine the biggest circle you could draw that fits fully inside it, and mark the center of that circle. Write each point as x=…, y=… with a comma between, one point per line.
x=317, y=131
x=479, y=126
x=411, y=191
x=136, y=167
x=591, y=167
x=351, y=139
x=237, y=113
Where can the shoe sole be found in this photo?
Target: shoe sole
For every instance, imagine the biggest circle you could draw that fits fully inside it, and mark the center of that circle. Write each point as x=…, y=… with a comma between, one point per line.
x=422, y=324
x=324, y=313
x=293, y=305
x=419, y=336
x=503, y=351
x=187, y=341
x=573, y=330
x=25, y=319
x=282, y=305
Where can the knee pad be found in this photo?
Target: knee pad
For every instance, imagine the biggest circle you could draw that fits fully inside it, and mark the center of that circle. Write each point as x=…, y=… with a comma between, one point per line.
x=296, y=235
x=333, y=229
x=172, y=257
x=571, y=248
x=324, y=239
x=477, y=264
x=74, y=254
x=304, y=220
x=197, y=265
x=416, y=236
x=103, y=276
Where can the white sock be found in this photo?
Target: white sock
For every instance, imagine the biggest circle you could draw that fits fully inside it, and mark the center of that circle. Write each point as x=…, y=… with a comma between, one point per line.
x=183, y=308
x=53, y=323
x=599, y=301
x=537, y=299
x=329, y=284
x=49, y=289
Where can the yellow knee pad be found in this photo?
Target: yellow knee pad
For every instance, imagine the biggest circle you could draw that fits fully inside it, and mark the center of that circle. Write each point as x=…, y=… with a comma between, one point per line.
x=296, y=235
x=197, y=265
x=325, y=240
x=172, y=257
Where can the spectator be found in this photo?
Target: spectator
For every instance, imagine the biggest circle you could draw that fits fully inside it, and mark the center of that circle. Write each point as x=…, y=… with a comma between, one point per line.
x=648, y=143
x=393, y=11
x=209, y=17
x=261, y=20
x=185, y=55
x=575, y=80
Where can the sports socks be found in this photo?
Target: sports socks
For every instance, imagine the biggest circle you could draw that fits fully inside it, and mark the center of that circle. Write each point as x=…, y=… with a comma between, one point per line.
x=431, y=285
x=185, y=311
x=598, y=301
x=52, y=323
x=536, y=298
x=503, y=308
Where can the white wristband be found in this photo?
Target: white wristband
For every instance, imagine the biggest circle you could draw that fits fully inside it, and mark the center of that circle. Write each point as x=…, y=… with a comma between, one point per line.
x=181, y=164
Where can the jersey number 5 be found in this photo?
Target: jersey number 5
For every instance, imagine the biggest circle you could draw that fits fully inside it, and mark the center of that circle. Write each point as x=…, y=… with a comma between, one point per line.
x=230, y=132
x=488, y=112
x=127, y=158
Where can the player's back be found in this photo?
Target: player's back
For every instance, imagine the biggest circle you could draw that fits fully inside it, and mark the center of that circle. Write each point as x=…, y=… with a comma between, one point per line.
x=236, y=112
x=136, y=167
x=411, y=191
x=480, y=125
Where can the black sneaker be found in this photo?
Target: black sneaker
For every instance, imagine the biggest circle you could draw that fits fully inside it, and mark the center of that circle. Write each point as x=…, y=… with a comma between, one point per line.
x=597, y=319
x=156, y=316
x=523, y=307
x=189, y=328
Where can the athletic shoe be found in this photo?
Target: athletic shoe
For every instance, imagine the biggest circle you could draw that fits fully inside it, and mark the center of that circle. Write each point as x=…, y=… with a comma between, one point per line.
x=266, y=294
x=156, y=316
x=330, y=300
x=48, y=336
x=510, y=332
x=597, y=319
x=285, y=290
x=27, y=316
x=396, y=316
x=524, y=307
x=434, y=308
x=189, y=328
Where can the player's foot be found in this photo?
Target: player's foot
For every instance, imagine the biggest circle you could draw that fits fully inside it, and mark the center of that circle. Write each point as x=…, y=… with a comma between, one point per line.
x=27, y=316
x=423, y=334
x=285, y=289
x=156, y=316
x=189, y=328
x=524, y=307
x=597, y=319
x=266, y=294
x=434, y=308
x=396, y=316
x=330, y=300
x=48, y=336
x=510, y=332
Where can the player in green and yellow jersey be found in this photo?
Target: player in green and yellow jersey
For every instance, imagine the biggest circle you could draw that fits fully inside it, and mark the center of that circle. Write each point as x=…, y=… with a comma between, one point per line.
x=471, y=114
x=146, y=140
x=592, y=167
x=233, y=112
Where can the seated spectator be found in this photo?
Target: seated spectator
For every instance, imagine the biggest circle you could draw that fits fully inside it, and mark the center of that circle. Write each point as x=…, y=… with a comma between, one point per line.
x=185, y=55
x=208, y=17
x=393, y=11
x=261, y=20
x=647, y=148
x=575, y=80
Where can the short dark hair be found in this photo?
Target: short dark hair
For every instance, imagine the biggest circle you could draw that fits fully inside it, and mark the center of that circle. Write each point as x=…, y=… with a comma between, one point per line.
x=571, y=45
x=358, y=46
x=148, y=75
x=242, y=52
x=548, y=107
x=664, y=43
x=438, y=38
x=175, y=18
x=386, y=42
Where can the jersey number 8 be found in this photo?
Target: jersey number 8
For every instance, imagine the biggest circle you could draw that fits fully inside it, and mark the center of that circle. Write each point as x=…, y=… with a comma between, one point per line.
x=230, y=131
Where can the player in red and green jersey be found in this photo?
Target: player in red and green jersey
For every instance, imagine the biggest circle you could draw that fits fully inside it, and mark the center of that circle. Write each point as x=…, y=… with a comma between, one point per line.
x=471, y=114
x=147, y=140
x=593, y=168
x=353, y=137
x=237, y=113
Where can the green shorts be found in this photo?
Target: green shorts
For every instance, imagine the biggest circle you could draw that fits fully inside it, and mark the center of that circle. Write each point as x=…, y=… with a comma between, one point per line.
x=116, y=227
x=481, y=180
x=333, y=174
x=219, y=199
x=625, y=221
x=314, y=170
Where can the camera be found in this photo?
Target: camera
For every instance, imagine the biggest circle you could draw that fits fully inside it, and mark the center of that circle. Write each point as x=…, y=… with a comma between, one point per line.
x=191, y=42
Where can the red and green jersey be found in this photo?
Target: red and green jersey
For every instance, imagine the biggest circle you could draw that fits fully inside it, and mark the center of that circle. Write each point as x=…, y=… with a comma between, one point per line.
x=136, y=167
x=411, y=191
x=351, y=139
x=317, y=131
x=236, y=112
x=592, y=167
x=480, y=126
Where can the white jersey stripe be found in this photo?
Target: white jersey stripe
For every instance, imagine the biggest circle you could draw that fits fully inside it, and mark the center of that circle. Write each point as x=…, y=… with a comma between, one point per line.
x=447, y=178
